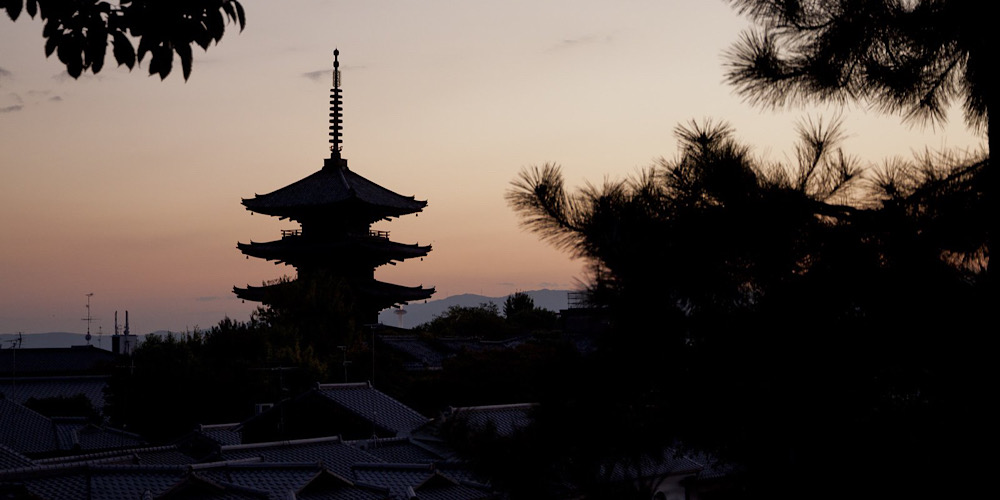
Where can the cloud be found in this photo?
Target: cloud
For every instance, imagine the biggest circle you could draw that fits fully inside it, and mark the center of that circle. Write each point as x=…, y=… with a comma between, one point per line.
x=325, y=75
x=56, y=98
x=5, y=74
x=551, y=285
x=207, y=298
x=11, y=109
x=317, y=75
x=580, y=41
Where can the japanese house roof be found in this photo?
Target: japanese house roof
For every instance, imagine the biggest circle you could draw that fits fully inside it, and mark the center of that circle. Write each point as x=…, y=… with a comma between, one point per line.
x=398, y=450
x=26, y=431
x=376, y=406
x=333, y=186
x=505, y=420
x=330, y=452
x=74, y=360
x=23, y=388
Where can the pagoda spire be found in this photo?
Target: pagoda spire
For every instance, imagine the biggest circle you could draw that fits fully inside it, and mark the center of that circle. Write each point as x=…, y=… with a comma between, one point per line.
x=335, y=110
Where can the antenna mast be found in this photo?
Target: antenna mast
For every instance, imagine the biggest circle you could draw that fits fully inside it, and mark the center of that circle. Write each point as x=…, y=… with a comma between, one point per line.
x=89, y=318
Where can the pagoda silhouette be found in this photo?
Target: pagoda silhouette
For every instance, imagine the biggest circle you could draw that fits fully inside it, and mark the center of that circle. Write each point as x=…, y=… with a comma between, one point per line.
x=335, y=245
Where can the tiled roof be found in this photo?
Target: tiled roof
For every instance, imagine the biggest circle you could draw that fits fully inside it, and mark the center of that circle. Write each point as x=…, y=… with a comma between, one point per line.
x=117, y=482
x=26, y=431
x=329, y=451
x=10, y=459
x=670, y=462
x=54, y=361
x=195, y=486
x=221, y=433
x=478, y=345
x=278, y=479
x=326, y=485
x=21, y=389
x=331, y=186
x=407, y=481
x=366, y=402
x=146, y=455
x=79, y=434
x=423, y=355
x=504, y=419
x=397, y=450
x=63, y=484
x=306, y=480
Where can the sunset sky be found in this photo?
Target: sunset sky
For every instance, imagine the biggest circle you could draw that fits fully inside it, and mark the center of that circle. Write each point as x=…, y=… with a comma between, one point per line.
x=129, y=188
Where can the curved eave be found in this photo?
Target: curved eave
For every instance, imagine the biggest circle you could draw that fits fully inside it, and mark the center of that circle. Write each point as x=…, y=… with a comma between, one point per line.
x=377, y=293
x=251, y=293
x=344, y=208
x=383, y=295
x=329, y=190
x=294, y=250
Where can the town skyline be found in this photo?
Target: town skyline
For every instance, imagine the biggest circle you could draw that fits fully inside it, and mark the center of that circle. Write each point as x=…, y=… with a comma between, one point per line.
x=129, y=188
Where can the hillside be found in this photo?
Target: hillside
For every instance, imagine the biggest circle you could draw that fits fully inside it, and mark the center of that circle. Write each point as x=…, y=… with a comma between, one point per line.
x=419, y=313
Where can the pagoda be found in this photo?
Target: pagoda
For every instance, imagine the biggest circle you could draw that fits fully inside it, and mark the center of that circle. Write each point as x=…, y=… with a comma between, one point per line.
x=335, y=209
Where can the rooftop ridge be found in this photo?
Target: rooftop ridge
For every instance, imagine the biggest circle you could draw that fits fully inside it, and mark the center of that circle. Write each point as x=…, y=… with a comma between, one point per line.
x=202, y=427
x=69, y=459
x=376, y=441
x=39, y=470
x=75, y=378
x=343, y=385
x=227, y=463
x=258, y=463
x=511, y=406
x=390, y=465
x=278, y=444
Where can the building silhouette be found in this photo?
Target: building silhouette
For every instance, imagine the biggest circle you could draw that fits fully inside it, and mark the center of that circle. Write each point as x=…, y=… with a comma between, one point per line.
x=335, y=245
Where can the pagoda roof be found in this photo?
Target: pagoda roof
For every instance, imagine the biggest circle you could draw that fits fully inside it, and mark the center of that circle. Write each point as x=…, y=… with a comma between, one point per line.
x=294, y=249
x=332, y=186
x=376, y=293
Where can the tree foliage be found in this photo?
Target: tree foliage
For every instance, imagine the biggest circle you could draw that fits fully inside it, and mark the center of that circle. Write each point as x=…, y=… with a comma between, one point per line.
x=485, y=321
x=913, y=57
x=800, y=307
x=79, y=31
x=481, y=321
x=64, y=406
x=516, y=303
x=173, y=382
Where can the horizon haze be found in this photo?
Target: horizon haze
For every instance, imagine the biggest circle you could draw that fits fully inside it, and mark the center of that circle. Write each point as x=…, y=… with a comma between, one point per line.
x=129, y=188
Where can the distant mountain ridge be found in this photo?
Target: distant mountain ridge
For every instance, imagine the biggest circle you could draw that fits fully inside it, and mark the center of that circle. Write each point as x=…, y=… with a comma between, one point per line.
x=419, y=313
x=57, y=339
x=416, y=314
x=53, y=339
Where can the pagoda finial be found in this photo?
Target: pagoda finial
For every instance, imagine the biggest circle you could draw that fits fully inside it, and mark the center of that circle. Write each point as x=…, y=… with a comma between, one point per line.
x=335, y=109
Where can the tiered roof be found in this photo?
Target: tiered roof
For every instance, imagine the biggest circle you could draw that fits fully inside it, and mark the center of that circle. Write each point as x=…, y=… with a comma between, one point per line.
x=334, y=189
x=336, y=208
x=295, y=249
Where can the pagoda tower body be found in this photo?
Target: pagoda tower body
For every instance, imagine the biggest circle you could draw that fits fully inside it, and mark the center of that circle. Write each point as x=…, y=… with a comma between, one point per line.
x=335, y=208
